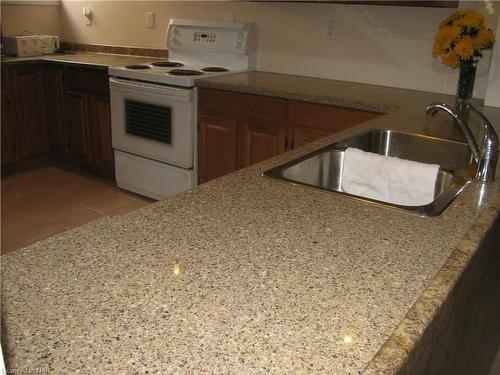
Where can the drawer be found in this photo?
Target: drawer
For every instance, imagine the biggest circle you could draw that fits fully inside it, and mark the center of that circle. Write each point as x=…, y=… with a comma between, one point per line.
x=91, y=81
x=329, y=118
x=243, y=105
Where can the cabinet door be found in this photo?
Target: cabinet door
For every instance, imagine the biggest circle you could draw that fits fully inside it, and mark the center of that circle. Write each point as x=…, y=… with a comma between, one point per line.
x=305, y=135
x=30, y=107
x=262, y=141
x=76, y=125
x=54, y=98
x=99, y=135
x=10, y=140
x=314, y=121
x=217, y=153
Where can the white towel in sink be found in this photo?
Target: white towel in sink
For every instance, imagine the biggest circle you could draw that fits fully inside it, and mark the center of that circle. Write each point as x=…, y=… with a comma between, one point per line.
x=388, y=179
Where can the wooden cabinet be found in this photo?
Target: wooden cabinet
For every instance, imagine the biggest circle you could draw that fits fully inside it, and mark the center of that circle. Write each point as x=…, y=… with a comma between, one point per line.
x=76, y=125
x=217, y=151
x=54, y=101
x=237, y=130
x=27, y=84
x=88, y=120
x=262, y=141
x=56, y=111
x=10, y=137
x=314, y=121
x=100, y=150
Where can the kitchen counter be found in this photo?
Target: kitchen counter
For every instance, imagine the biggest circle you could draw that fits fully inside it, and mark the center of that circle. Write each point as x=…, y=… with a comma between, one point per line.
x=93, y=59
x=245, y=274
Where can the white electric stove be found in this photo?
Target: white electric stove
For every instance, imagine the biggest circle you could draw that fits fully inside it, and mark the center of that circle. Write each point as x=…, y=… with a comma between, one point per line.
x=153, y=106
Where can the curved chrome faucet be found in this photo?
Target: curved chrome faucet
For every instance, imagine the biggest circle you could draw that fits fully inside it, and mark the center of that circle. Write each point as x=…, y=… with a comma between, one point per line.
x=486, y=157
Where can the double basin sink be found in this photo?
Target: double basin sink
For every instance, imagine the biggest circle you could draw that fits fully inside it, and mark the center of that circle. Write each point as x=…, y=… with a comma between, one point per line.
x=323, y=168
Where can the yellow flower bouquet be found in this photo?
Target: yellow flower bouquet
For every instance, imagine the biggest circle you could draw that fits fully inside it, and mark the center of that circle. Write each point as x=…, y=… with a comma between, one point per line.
x=459, y=41
x=461, y=37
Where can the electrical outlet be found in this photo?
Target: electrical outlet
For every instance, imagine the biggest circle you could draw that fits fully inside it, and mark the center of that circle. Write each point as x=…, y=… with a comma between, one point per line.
x=150, y=20
x=330, y=30
x=229, y=17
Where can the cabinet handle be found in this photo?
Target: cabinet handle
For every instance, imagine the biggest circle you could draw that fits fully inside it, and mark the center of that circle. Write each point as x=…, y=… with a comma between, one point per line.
x=286, y=143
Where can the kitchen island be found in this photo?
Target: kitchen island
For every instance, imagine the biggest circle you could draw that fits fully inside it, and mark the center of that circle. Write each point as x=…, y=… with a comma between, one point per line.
x=247, y=275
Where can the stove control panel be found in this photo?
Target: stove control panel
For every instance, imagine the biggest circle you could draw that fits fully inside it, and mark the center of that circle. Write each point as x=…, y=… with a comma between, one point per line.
x=209, y=36
x=203, y=37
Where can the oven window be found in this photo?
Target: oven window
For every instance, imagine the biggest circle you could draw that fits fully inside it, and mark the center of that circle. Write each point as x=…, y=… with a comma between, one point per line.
x=148, y=121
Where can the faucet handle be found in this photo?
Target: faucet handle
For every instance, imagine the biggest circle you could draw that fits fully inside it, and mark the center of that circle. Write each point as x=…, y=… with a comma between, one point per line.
x=490, y=135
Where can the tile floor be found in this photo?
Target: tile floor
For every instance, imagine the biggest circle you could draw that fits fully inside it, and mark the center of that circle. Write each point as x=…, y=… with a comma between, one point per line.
x=41, y=203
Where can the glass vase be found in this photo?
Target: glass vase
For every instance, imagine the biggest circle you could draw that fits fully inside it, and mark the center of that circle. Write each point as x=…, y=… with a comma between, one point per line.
x=465, y=87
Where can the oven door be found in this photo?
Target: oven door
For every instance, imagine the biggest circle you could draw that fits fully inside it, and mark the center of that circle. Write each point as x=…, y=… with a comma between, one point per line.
x=153, y=121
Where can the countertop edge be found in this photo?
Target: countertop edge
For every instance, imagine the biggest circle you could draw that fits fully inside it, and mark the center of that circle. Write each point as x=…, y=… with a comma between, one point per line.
x=396, y=350
x=65, y=59
x=318, y=99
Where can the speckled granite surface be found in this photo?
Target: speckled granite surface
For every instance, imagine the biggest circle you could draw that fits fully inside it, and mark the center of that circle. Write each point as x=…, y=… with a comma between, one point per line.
x=242, y=275
x=102, y=60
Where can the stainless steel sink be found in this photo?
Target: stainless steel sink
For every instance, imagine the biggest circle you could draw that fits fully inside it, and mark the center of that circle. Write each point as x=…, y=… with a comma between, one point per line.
x=322, y=169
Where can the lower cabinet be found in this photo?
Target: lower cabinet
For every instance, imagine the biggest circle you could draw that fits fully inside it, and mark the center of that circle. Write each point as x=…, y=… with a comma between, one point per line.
x=54, y=101
x=217, y=147
x=262, y=141
x=226, y=145
x=58, y=111
x=10, y=137
x=31, y=112
x=237, y=130
x=100, y=156
x=76, y=125
x=311, y=121
x=88, y=127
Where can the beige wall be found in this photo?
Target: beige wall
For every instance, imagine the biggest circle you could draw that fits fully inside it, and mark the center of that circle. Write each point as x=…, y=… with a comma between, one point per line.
x=39, y=19
x=374, y=44
x=493, y=91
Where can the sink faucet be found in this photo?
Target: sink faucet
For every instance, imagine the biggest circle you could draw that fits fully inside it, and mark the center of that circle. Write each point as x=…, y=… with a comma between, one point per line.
x=486, y=156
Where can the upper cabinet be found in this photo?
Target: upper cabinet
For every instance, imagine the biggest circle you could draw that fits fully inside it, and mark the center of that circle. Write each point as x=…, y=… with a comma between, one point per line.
x=433, y=4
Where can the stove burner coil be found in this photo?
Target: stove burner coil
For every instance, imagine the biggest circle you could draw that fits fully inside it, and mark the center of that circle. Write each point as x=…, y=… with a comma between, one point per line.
x=185, y=72
x=167, y=64
x=215, y=69
x=137, y=67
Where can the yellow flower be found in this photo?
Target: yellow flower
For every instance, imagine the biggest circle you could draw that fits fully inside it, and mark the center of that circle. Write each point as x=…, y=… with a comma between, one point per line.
x=470, y=19
x=447, y=34
x=464, y=48
x=437, y=49
x=450, y=59
x=452, y=17
x=484, y=39
x=462, y=36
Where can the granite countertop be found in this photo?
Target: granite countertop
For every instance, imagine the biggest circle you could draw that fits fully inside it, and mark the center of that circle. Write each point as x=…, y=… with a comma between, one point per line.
x=245, y=274
x=94, y=59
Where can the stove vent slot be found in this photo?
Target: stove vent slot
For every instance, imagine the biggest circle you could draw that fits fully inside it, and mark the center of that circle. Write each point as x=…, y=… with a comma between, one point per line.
x=148, y=121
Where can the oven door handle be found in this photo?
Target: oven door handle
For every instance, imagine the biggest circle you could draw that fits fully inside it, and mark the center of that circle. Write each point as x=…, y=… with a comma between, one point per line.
x=136, y=86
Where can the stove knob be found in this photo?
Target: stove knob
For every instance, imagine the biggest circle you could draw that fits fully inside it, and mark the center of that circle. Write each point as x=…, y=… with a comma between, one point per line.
x=174, y=41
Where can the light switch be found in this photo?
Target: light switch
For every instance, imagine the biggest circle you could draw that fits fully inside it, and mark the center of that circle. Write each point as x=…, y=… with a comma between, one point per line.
x=150, y=20
x=88, y=16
